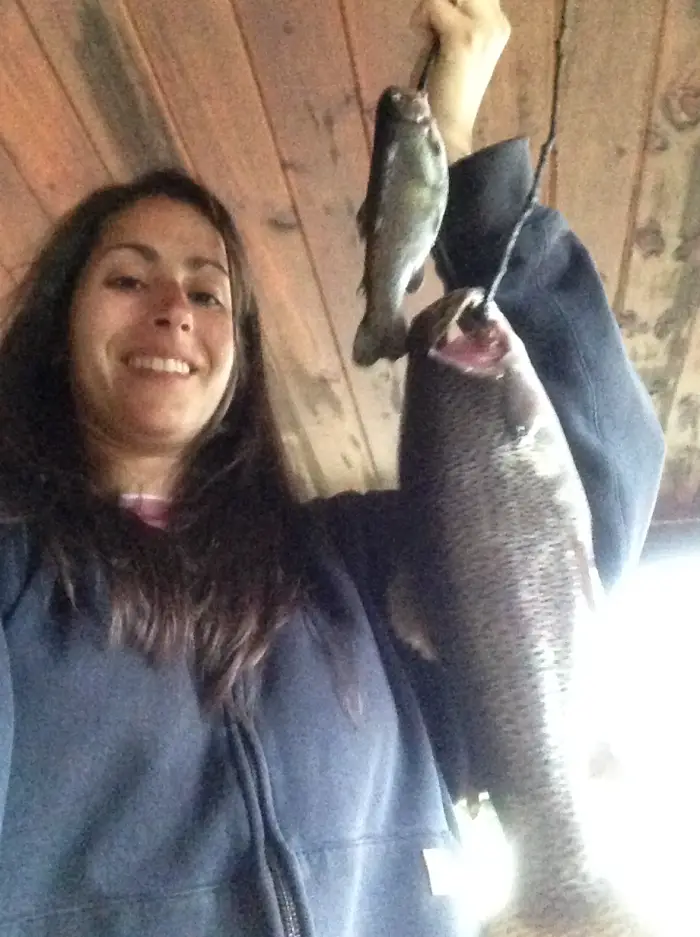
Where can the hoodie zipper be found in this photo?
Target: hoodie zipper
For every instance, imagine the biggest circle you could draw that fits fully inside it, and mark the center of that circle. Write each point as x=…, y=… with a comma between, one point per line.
x=285, y=898
x=243, y=752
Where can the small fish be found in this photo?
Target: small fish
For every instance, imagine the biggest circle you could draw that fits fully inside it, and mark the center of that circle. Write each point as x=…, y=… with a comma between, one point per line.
x=498, y=583
x=400, y=217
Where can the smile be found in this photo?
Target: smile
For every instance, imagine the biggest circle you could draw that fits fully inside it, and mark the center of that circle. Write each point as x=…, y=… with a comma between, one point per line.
x=169, y=365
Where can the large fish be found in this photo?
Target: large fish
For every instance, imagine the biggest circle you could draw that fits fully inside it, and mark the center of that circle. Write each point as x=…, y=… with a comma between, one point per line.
x=400, y=217
x=501, y=587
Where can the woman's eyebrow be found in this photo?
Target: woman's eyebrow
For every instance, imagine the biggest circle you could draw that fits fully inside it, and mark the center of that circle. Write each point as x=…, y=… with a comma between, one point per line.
x=151, y=255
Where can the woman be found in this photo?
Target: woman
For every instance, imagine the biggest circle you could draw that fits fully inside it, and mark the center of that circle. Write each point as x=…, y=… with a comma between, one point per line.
x=206, y=727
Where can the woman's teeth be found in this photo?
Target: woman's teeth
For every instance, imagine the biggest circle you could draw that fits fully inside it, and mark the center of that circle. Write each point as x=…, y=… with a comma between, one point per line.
x=173, y=365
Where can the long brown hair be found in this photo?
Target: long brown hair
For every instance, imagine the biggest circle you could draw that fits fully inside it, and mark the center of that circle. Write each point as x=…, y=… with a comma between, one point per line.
x=224, y=577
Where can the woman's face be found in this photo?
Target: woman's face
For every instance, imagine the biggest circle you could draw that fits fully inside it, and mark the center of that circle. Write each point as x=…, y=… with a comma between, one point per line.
x=151, y=335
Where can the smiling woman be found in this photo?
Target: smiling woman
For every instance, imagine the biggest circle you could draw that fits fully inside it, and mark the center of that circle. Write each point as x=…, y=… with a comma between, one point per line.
x=152, y=309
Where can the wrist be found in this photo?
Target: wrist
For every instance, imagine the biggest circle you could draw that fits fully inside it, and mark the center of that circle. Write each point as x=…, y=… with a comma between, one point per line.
x=458, y=144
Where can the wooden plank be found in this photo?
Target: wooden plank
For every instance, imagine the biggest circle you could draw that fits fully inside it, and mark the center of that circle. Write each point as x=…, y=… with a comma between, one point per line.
x=384, y=47
x=23, y=223
x=662, y=299
x=38, y=126
x=219, y=113
x=93, y=50
x=604, y=109
x=682, y=392
x=302, y=64
x=302, y=460
x=301, y=463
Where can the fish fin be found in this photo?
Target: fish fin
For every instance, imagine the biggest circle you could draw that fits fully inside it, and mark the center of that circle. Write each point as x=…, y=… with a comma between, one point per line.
x=416, y=281
x=374, y=340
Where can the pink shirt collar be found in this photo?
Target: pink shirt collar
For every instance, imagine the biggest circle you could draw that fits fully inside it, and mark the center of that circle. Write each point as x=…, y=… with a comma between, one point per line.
x=152, y=509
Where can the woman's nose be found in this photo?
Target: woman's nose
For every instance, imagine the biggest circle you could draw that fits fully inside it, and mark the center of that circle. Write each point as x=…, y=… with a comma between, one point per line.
x=172, y=307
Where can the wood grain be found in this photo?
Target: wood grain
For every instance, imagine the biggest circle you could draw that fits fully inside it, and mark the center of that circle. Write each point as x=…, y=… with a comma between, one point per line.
x=662, y=299
x=218, y=112
x=384, y=46
x=607, y=80
x=92, y=49
x=669, y=352
x=39, y=126
x=23, y=222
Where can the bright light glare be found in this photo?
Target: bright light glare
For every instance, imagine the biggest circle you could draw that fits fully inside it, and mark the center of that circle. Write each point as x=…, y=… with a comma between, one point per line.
x=489, y=861
x=643, y=824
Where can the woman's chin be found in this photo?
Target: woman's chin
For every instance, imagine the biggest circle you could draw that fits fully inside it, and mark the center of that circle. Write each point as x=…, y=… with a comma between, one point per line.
x=158, y=435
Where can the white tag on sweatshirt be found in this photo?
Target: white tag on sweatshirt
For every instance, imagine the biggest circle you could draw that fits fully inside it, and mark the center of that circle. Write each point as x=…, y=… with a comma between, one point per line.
x=446, y=871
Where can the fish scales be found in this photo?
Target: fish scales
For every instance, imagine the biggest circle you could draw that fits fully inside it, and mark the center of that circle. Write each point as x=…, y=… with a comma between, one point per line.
x=406, y=197
x=501, y=546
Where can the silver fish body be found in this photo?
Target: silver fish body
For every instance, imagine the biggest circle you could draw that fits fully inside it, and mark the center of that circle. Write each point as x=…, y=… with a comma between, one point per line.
x=498, y=582
x=399, y=219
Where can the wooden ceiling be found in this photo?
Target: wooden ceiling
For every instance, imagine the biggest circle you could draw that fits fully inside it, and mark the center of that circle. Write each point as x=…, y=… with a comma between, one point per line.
x=271, y=103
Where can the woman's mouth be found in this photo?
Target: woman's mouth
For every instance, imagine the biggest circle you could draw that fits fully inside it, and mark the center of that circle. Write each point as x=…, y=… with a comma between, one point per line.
x=159, y=365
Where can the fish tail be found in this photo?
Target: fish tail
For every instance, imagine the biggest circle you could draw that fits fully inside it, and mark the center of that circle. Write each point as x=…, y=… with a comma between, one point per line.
x=379, y=339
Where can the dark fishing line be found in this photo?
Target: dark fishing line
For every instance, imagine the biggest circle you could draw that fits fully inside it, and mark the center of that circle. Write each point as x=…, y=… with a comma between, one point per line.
x=544, y=154
x=421, y=86
x=432, y=55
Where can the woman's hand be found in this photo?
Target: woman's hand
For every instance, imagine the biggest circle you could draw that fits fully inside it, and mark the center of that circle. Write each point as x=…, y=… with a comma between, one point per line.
x=473, y=34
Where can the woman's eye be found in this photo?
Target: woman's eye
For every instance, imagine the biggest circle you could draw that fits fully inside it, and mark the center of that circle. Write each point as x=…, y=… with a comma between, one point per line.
x=202, y=298
x=125, y=283
x=128, y=283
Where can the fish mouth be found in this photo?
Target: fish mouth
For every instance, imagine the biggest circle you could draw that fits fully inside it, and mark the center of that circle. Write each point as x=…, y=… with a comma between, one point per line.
x=460, y=330
x=409, y=105
x=480, y=352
